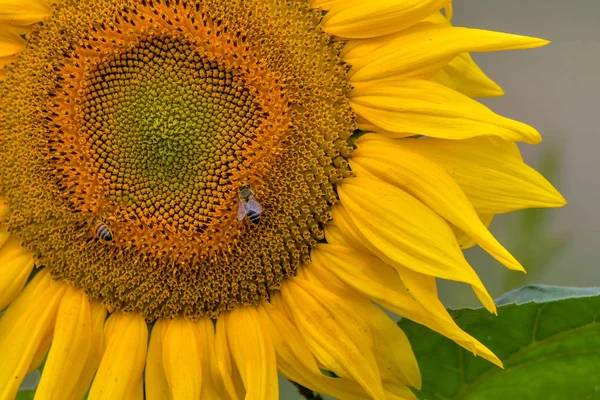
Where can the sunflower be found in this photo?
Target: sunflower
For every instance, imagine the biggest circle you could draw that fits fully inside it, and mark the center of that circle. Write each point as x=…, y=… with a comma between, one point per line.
x=199, y=195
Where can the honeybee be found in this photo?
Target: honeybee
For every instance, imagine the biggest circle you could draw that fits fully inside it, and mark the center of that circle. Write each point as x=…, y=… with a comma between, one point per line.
x=103, y=232
x=248, y=205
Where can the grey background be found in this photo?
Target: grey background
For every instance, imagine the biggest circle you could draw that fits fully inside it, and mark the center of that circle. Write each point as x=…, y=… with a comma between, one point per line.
x=554, y=89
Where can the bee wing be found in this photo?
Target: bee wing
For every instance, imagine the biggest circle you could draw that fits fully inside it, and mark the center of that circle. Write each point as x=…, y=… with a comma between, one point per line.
x=253, y=205
x=242, y=209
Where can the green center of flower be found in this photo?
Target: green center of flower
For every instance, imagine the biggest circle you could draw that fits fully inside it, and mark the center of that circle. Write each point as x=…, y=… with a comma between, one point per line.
x=148, y=119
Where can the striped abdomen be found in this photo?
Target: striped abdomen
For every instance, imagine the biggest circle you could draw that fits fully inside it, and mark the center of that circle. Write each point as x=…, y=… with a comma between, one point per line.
x=103, y=232
x=253, y=216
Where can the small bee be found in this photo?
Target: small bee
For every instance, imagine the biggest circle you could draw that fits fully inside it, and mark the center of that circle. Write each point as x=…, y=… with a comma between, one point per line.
x=248, y=205
x=103, y=232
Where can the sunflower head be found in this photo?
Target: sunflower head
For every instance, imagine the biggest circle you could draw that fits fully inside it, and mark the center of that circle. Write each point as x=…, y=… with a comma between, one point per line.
x=147, y=120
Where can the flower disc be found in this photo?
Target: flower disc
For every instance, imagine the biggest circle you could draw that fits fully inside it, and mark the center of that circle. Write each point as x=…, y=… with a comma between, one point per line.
x=147, y=117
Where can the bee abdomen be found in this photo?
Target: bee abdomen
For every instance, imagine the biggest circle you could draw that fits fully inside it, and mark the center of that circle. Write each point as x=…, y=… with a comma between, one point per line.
x=254, y=217
x=103, y=232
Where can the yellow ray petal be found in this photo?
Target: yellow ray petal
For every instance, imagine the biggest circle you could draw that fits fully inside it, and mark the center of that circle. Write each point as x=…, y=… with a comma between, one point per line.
x=42, y=351
x=122, y=364
x=4, y=61
x=253, y=352
x=10, y=43
x=393, y=353
x=428, y=108
x=182, y=358
x=333, y=333
x=212, y=387
x=19, y=12
x=424, y=290
x=491, y=172
x=380, y=283
x=16, y=264
x=97, y=318
x=395, y=390
x=37, y=285
x=360, y=19
x=423, y=52
x=230, y=377
x=4, y=208
x=465, y=241
x=357, y=52
x=4, y=236
x=404, y=232
x=448, y=10
x=156, y=384
x=287, y=341
x=70, y=347
x=335, y=235
x=295, y=361
x=19, y=342
x=428, y=182
x=464, y=76
x=138, y=393
x=367, y=126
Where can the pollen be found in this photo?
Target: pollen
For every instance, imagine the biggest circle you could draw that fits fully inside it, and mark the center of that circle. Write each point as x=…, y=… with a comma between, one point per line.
x=148, y=117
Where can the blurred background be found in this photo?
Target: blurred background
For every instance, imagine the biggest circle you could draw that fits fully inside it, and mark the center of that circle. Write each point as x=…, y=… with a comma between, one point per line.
x=555, y=89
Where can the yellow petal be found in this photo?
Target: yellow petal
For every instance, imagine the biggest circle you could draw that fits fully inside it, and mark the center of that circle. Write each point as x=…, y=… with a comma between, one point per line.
x=4, y=207
x=138, y=393
x=182, y=358
x=19, y=342
x=404, y=232
x=97, y=317
x=465, y=241
x=395, y=390
x=277, y=302
x=156, y=384
x=448, y=10
x=333, y=333
x=428, y=182
x=393, y=353
x=122, y=364
x=357, y=52
x=464, y=76
x=10, y=44
x=16, y=264
x=423, y=52
x=406, y=293
x=491, y=172
x=295, y=361
x=230, y=377
x=367, y=126
x=212, y=388
x=70, y=347
x=287, y=341
x=253, y=352
x=40, y=282
x=4, y=61
x=428, y=108
x=366, y=19
x=42, y=351
x=19, y=12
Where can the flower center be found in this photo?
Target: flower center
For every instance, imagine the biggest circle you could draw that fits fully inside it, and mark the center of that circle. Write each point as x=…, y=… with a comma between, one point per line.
x=148, y=118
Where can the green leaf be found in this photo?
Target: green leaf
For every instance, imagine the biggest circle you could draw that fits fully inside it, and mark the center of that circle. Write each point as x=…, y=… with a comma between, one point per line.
x=548, y=338
x=25, y=395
